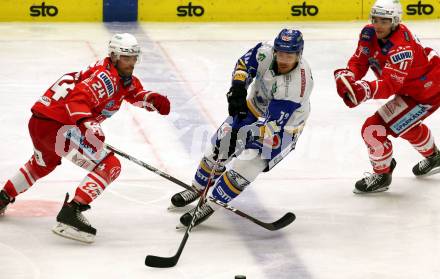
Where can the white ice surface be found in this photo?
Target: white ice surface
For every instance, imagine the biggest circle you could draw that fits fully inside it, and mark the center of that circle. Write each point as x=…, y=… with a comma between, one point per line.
x=337, y=234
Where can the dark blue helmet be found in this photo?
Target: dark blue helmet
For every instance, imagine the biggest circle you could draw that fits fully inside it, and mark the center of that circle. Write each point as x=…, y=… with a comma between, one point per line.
x=289, y=40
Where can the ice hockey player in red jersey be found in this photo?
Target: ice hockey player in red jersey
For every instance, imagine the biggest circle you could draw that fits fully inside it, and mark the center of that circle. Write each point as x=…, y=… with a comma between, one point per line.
x=408, y=72
x=66, y=122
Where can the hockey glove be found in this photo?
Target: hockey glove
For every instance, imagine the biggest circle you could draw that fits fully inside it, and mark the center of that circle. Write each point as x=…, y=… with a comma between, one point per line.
x=93, y=136
x=237, y=105
x=351, y=91
x=156, y=101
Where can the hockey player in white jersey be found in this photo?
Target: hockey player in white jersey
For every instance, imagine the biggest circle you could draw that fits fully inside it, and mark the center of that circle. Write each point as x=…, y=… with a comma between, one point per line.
x=268, y=106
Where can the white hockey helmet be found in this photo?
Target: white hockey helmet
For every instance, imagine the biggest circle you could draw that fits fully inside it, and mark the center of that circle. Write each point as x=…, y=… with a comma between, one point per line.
x=124, y=44
x=387, y=9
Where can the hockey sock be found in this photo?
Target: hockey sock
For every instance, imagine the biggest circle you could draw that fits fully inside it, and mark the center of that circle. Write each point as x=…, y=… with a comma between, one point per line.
x=380, y=148
x=381, y=161
x=421, y=139
x=229, y=186
x=203, y=172
x=26, y=177
x=98, y=179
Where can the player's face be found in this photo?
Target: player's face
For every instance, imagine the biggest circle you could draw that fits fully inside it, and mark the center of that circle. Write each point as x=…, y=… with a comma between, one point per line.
x=286, y=61
x=382, y=26
x=125, y=65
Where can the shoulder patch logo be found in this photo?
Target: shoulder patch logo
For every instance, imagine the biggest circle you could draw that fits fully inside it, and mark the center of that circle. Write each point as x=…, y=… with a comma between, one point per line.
x=401, y=56
x=45, y=100
x=261, y=57
x=367, y=34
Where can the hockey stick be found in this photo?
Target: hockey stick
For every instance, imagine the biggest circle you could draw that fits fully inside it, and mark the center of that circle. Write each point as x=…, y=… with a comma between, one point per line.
x=164, y=262
x=148, y=167
x=284, y=221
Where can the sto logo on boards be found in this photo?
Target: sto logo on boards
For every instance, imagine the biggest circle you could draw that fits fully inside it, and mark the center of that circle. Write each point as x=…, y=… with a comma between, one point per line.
x=304, y=10
x=419, y=9
x=43, y=10
x=190, y=10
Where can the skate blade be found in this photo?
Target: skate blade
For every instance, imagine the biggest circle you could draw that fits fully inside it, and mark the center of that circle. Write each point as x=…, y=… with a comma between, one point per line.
x=73, y=233
x=356, y=191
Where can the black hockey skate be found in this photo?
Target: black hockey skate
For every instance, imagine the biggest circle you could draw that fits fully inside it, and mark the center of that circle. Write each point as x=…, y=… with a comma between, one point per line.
x=4, y=201
x=429, y=166
x=204, y=212
x=72, y=224
x=184, y=198
x=374, y=182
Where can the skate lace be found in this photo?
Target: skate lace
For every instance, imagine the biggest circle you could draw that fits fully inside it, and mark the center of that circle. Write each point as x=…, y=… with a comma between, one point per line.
x=370, y=178
x=81, y=217
x=78, y=212
x=203, y=211
x=188, y=195
x=431, y=161
x=424, y=164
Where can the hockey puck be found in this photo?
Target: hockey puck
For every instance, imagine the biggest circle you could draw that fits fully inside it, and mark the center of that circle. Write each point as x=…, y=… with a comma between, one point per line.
x=240, y=277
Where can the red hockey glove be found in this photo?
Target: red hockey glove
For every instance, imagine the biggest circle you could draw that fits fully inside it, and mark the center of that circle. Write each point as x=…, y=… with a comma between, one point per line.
x=158, y=102
x=340, y=74
x=94, y=137
x=351, y=91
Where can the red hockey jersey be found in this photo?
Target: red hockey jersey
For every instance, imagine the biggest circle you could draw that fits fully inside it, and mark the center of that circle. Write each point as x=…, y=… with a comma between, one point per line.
x=97, y=92
x=401, y=64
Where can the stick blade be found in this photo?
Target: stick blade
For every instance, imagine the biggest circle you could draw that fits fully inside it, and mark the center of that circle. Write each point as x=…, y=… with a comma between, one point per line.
x=160, y=262
x=284, y=221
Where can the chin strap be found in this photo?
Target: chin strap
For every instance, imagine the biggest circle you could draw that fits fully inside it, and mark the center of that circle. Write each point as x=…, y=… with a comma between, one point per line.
x=126, y=81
